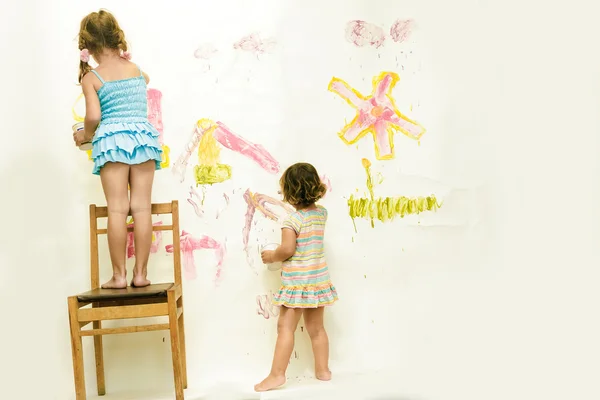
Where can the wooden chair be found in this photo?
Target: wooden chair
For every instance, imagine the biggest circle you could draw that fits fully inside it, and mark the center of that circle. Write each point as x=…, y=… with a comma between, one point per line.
x=165, y=299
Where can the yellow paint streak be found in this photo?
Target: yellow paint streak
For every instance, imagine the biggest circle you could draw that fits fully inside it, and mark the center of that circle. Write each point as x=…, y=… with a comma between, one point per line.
x=210, y=174
x=388, y=208
x=165, y=156
x=76, y=116
x=367, y=165
x=208, y=150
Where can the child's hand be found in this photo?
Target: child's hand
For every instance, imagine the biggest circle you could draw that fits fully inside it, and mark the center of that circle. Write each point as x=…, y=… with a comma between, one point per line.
x=267, y=256
x=79, y=138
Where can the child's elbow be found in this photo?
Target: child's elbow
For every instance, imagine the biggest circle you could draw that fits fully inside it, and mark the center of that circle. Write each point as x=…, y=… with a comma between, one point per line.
x=92, y=119
x=287, y=252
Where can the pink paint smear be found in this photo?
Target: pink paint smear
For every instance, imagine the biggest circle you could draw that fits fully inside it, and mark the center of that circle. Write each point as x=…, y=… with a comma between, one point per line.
x=327, y=182
x=230, y=140
x=253, y=43
x=205, y=51
x=401, y=30
x=258, y=201
x=265, y=307
x=155, y=112
x=189, y=244
x=154, y=247
x=255, y=152
x=362, y=34
x=196, y=204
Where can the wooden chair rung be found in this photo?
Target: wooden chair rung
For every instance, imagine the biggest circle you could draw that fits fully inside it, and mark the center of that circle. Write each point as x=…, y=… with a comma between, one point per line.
x=125, y=329
x=124, y=312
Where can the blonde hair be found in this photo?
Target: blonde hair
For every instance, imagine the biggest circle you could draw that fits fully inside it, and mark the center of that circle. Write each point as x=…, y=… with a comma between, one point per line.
x=98, y=31
x=301, y=185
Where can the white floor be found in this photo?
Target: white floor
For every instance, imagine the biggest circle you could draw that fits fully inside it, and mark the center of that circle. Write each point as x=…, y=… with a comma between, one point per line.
x=347, y=387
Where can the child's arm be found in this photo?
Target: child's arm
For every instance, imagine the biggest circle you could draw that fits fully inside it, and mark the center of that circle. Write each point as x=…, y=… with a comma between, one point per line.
x=287, y=248
x=92, y=107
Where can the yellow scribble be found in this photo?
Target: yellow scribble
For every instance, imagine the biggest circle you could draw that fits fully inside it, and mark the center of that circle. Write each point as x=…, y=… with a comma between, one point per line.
x=208, y=150
x=383, y=127
x=76, y=116
x=209, y=170
x=367, y=166
x=165, y=156
x=386, y=209
x=209, y=174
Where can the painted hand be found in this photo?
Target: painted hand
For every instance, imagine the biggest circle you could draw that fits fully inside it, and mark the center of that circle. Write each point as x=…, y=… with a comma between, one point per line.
x=267, y=256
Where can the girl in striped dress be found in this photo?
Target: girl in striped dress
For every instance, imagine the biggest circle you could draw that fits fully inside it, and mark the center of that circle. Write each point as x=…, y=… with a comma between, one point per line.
x=305, y=284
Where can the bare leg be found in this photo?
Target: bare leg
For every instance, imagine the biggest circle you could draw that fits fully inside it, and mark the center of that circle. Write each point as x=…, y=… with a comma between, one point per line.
x=286, y=327
x=141, y=177
x=114, y=177
x=313, y=318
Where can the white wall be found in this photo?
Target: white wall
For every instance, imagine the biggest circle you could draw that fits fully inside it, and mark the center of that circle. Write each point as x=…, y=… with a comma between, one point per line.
x=493, y=297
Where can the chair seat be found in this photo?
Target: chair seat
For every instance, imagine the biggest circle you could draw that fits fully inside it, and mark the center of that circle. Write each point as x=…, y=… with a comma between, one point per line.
x=158, y=290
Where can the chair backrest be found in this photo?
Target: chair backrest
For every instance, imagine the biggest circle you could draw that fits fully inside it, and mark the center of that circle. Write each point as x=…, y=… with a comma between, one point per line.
x=160, y=208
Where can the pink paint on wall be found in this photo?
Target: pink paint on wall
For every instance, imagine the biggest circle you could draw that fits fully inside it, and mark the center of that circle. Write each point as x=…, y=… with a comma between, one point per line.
x=401, y=30
x=260, y=202
x=231, y=141
x=154, y=247
x=327, y=182
x=189, y=244
x=255, y=152
x=195, y=201
x=253, y=43
x=265, y=307
x=362, y=34
x=154, y=97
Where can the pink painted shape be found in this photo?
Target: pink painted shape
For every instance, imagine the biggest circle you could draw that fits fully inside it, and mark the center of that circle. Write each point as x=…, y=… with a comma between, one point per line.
x=255, y=152
x=205, y=51
x=189, y=244
x=255, y=44
x=383, y=123
x=155, y=112
x=258, y=202
x=180, y=166
x=265, y=306
x=154, y=247
x=197, y=207
x=362, y=33
x=401, y=30
x=327, y=182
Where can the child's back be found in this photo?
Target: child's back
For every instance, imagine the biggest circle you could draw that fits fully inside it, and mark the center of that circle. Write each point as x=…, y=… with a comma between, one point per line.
x=305, y=277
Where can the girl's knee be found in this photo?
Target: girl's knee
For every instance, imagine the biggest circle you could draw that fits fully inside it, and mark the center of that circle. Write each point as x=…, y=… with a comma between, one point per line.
x=315, y=330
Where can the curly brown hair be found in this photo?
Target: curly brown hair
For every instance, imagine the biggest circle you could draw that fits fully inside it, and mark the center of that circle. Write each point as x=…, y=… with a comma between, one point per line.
x=301, y=185
x=98, y=31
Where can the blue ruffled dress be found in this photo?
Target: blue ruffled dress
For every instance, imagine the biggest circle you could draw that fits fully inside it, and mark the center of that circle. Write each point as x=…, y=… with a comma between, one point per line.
x=124, y=134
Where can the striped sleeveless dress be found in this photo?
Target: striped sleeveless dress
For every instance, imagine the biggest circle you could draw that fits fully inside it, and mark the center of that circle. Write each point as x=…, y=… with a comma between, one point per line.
x=305, y=281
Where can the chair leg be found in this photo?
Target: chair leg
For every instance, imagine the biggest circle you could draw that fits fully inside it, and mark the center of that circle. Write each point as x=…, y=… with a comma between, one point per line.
x=175, y=344
x=182, y=344
x=98, y=351
x=77, y=349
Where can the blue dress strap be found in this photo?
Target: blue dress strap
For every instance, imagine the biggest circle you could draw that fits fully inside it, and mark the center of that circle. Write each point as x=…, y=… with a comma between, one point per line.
x=99, y=77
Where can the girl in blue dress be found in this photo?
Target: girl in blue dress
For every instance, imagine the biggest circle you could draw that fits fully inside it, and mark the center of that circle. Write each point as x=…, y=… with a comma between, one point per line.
x=125, y=149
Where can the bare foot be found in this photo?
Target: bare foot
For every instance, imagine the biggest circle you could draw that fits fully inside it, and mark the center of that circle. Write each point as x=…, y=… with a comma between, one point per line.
x=323, y=375
x=140, y=281
x=270, y=382
x=116, y=282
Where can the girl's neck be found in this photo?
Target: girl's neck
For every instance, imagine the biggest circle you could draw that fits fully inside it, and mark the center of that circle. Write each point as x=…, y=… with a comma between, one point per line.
x=309, y=207
x=107, y=55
